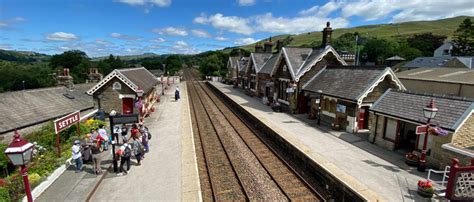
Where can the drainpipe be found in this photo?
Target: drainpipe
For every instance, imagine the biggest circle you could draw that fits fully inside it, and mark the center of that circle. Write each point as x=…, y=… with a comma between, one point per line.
x=376, y=124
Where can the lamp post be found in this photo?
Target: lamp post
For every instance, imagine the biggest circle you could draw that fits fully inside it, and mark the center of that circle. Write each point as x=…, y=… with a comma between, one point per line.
x=19, y=152
x=140, y=106
x=318, y=101
x=429, y=112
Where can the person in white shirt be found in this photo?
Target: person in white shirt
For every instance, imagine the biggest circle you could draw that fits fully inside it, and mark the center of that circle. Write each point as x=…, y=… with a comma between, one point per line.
x=76, y=155
x=103, y=133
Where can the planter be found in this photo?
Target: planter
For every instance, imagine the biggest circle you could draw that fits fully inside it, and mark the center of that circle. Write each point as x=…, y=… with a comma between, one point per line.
x=425, y=193
x=411, y=162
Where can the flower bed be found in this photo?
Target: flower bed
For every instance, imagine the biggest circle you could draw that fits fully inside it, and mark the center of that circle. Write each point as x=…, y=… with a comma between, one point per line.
x=411, y=159
x=45, y=159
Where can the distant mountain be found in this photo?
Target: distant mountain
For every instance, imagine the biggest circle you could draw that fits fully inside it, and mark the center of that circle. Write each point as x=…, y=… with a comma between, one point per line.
x=23, y=56
x=440, y=27
x=129, y=57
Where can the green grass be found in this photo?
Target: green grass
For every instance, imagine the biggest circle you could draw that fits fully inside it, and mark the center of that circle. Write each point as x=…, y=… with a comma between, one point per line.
x=440, y=27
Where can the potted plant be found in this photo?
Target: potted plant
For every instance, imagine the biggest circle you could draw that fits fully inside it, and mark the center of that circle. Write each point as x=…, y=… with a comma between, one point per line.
x=411, y=159
x=425, y=188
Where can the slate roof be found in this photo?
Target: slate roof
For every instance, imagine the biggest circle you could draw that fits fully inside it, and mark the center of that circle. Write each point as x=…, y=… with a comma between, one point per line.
x=468, y=61
x=348, y=82
x=20, y=109
x=452, y=111
x=134, y=78
x=141, y=77
x=295, y=57
x=234, y=62
x=269, y=65
x=449, y=75
x=259, y=59
x=243, y=63
x=439, y=61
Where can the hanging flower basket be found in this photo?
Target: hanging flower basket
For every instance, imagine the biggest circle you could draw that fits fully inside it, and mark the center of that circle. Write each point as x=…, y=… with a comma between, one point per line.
x=411, y=159
x=425, y=188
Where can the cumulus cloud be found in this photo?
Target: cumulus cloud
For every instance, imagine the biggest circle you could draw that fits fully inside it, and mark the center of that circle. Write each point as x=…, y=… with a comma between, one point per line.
x=201, y=33
x=124, y=36
x=61, y=36
x=160, y=3
x=244, y=41
x=171, y=31
x=229, y=23
x=183, y=48
x=246, y=2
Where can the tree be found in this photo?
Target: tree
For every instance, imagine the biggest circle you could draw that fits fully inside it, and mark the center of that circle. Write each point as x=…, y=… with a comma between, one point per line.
x=68, y=59
x=427, y=43
x=463, y=43
x=173, y=64
x=211, y=66
x=377, y=50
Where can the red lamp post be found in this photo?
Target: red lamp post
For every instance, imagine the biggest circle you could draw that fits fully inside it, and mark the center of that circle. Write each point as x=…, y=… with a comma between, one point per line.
x=429, y=112
x=19, y=152
x=140, y=94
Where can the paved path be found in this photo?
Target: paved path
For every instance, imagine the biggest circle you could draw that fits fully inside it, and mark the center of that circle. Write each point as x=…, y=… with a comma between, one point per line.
x=162, y=176
x=388, y=177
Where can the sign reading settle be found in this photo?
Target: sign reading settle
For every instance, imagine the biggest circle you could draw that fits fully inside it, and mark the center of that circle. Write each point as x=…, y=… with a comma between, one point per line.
x=66, y=121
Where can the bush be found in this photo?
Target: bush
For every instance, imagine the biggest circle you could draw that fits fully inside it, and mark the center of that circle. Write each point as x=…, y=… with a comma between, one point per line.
x=4, y=196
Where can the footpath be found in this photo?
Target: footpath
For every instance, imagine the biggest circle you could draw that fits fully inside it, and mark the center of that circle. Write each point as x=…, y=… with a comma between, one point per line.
x=374, y=171
x=168, y=172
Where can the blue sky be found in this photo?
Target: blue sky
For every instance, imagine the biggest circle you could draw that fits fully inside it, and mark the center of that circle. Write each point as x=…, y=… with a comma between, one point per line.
x=127, y=27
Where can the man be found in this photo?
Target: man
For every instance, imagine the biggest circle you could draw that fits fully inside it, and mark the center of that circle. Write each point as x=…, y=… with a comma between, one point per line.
x=176, y=94
x=125, y=155
x=116, y=133
x=124, y=132
x=103, y=134
x=76, y=155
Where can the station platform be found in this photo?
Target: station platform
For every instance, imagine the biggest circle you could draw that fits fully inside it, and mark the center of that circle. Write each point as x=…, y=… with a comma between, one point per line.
x=168, y=172
x=375, y=173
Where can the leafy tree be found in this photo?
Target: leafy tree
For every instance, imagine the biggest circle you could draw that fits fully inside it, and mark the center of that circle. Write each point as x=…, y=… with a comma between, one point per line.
x=345, y=42
x=173, y=64
x=68, y=59
x=377, y=50
x=427, y=43
x=237, y=51
x=409, y=53
x=463, y=43
x=35, y=75
x=153, y=64
x=211, y=66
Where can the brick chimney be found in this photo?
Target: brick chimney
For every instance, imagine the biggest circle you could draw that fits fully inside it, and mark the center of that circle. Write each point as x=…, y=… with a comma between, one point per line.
x=327, y=31
x=279, y=45
x=268, y=46
x=63, y=78
x=258, y=48
x=94, y=75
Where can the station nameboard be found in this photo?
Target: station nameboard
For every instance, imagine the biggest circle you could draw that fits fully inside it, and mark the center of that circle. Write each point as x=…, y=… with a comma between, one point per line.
x=124, y=118
x=66, y=121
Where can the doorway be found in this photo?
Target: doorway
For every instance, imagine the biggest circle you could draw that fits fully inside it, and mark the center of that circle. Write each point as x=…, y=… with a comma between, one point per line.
x=127, y=105
x=363, y=118
x=407, y=137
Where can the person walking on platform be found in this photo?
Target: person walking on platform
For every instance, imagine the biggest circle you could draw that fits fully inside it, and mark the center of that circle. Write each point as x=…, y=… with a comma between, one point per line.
x=104, y=136
x=134, y=131
x=115, y=134
x=137, y=150
x=76, y=155
x=96, y=158
x=124, y=133
x=176, y=94
x=125, y=154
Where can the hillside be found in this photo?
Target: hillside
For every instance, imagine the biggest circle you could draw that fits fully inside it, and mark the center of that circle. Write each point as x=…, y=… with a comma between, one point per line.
x=440, y=27
x=23, y=56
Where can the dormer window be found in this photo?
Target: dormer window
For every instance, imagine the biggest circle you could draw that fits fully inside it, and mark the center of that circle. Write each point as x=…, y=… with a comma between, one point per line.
x=117, y=86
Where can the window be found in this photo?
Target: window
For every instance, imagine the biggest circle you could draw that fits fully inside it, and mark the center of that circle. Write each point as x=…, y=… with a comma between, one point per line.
x=252, y=82
x=284, y=68
x=283, y=95
x=391, y=129
x=117, y=86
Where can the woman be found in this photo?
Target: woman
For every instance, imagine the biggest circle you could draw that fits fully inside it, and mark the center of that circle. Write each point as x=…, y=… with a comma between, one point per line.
x=95, y=150
x=134, y=131
x=137, y=150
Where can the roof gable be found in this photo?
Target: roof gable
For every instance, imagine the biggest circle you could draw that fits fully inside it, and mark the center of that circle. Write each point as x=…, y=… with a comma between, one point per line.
x=349, y=82
x=295, y=57
x=268, y=67
x=134, y=78
x=452, y=111
x=315, y=57
x=259, y=59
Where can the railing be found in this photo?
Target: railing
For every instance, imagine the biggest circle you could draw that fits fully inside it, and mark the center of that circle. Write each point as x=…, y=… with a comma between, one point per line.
x=445, y=175
x=461, y=181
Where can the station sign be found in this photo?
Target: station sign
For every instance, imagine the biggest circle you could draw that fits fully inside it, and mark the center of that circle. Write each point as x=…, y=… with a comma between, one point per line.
x=66, y=121
x=421, y=129
x=123, y=118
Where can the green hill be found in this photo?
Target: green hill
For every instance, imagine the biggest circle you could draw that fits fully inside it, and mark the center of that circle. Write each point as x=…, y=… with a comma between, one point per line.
x=23, y=56
x=440, y=27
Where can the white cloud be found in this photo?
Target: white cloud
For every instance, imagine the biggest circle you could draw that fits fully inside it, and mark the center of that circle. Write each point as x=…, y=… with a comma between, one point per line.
x=269, y=23
x=183, y=48
x=103, y=42
x=246, y=2
x=61, y=36
x=124, y=36
x=229, y=23
x=160, y=3
x=323, y=10
x=171, y=31
x=201, y=33
x=220, y=38
x=8, y=22
x=406, y=10
x=158, y=40
x=244, y=41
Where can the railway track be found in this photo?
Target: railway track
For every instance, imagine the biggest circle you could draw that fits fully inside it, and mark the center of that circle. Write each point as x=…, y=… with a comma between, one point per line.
x=234, y=164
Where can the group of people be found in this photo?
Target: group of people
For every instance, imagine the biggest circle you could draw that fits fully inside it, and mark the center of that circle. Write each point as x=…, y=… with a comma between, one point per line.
x=96, y=141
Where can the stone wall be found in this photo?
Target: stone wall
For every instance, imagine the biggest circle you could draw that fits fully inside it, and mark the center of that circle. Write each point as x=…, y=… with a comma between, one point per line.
x=111, y=100
x=377, y=130
x=464, y=137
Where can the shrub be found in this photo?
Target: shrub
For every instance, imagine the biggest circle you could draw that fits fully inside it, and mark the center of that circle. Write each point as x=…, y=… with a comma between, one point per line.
x=4, y=196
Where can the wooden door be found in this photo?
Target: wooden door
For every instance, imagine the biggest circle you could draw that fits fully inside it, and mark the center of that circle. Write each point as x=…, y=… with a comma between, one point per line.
x=127, y=105
x=362, y=118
